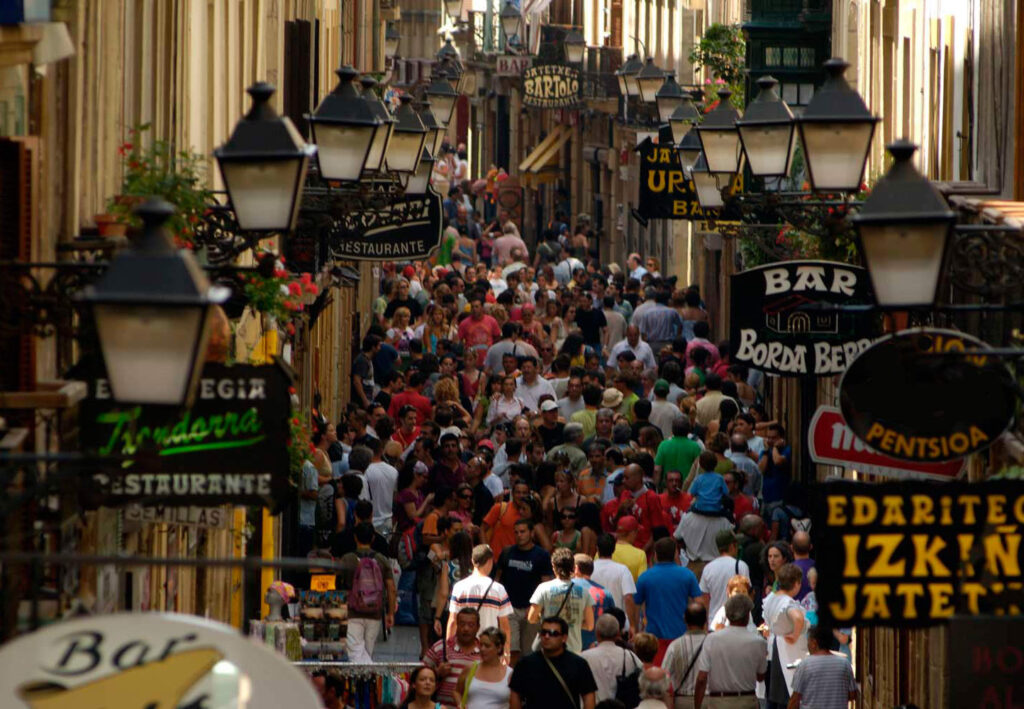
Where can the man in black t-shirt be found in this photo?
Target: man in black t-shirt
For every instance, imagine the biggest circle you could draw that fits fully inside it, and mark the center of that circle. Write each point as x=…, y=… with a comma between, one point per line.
x=345, y=540
x=590, y=321
x=551, y=430
x=520, y=569
x=553, y=676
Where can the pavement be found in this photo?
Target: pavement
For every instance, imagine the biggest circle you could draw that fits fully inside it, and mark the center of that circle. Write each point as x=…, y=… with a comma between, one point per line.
x=403, y=645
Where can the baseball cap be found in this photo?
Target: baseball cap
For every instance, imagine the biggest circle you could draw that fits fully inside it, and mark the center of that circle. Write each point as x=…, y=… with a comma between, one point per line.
x=408, y=271
x=549, y=405
x=485, y=443
x=661, y=387
x=627, y=524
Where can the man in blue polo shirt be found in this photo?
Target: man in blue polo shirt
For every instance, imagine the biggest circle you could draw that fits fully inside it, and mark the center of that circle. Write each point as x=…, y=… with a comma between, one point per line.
x=663, y=591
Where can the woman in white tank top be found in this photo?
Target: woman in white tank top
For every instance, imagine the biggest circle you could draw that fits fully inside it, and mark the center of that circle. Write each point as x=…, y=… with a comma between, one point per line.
x=484, y=684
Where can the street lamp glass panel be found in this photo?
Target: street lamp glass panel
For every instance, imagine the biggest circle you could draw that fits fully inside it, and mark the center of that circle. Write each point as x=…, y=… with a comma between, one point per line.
x=648, y=87
x=708, y=193
x=689, y=150
x=721, y=150
x=623, y=85
x=150, y=351
x=420, y=180
x=443, y=105
x=510, y=19
x=379, y=147
x=905, y=261
x=343, y=150
x=391, y=38
x=454, y=8
x=258, y=192
x=405, y=150
x=768, y=148
x=836, y=154
x=574, y=44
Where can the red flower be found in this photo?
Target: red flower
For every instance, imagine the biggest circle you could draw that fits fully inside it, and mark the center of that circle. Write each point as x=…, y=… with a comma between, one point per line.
x=280, y=273
x=291, y=390
x=306, y=277
x=281, y=259
x=291, y=329
x=294, y=288
x=863, y=186
x=124, y=149
x=312, y=289
x=295, y=421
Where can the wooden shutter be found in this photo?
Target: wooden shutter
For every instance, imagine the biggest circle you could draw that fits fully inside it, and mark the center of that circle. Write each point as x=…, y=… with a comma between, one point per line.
x=17, y=350
x=298, y=62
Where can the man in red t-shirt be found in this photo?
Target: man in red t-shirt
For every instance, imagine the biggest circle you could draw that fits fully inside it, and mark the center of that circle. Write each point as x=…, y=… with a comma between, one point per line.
x=674, y=502
x=479, y=331
x=642, y=503
x=413, y=396
x=742, y=505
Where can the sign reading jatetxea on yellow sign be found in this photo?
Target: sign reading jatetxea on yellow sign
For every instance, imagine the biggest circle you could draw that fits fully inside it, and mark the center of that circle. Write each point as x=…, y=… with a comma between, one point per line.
x=551, y=86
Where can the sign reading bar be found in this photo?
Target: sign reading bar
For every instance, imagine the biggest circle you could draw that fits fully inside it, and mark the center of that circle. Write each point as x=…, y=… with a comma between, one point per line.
x=916, y=553
x=229, y=447
x=512, y=65
x=775, y=328
x=903, y=400
x=831, y=442
x=986, y=663
x=153, y=660
x=407, y=230
x=551, y=86
x=665, y=193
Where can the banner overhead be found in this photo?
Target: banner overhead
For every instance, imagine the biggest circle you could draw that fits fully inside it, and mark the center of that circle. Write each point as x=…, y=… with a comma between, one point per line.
x=916, y=553
x=783, y=319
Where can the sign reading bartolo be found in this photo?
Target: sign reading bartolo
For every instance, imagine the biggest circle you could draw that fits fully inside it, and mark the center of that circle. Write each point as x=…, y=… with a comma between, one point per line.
x=907, y=398
x=916, y=553
x=775, y=328
x=551, y=86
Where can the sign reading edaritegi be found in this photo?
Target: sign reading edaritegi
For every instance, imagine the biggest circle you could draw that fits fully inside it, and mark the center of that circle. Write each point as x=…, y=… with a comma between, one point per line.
x=229, y=447
x=916, y=553
x=551, y=86
x=927, y=395
x=775, y=328
x=406, y=230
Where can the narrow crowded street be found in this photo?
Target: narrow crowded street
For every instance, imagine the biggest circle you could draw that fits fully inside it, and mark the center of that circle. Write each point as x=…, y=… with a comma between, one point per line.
x=511, y=354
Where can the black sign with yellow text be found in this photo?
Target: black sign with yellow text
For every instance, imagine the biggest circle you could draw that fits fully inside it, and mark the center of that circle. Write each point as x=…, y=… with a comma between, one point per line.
x=665, y=192
x=229, y=447
x=551, y=86
x=916, y=553
x=921, y=395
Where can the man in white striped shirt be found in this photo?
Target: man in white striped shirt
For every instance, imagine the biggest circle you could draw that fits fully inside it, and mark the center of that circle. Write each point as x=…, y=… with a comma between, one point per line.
x=822, y=680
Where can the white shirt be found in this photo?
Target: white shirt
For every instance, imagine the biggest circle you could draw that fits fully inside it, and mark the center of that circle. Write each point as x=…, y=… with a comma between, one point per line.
x=493, y=484
x=531, y=393
x=606, y=661
x=381, y=479
x=616, y=579
x=567, y=407
x=469, y=592
x=663, y=415
x=733, y=658
x=642, y=352
x=714, y=580
x=776, y=615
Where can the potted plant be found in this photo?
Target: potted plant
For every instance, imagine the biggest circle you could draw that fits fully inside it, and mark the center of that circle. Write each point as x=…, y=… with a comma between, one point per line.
x=158, y=168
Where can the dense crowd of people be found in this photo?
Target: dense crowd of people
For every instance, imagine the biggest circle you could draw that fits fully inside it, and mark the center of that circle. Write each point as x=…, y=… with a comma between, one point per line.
x=585, y=500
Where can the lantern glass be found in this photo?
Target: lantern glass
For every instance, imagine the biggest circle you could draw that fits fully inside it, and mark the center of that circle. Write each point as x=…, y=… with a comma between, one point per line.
x=649, y=87
x=708, y=193
x=420, y=180
x=343, y=150
x=768, y=148
x=623, y=86
x=405, y=150
x=379, y=147
x=904, y=260
x=836, y=153
x=721, y=149
x=265, y=193
x=453, y=8
x=667, y=105
x=510, y=20
x=443, y=106
x=391, y=38
x=150, y=351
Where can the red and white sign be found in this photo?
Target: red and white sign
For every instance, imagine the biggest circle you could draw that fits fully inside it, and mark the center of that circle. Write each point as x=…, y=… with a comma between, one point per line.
x=512, y=66
x=831, y=442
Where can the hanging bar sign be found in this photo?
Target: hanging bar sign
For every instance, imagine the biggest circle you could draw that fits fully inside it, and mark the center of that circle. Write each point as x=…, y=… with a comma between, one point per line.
x=551, y=86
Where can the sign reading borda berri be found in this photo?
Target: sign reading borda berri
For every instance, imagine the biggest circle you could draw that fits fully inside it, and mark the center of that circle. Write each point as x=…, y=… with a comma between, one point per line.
x=776, y=329
x=406, y=230
x=229, y=447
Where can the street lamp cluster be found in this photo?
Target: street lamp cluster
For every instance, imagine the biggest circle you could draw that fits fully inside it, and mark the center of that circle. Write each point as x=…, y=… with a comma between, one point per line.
x=903, y=227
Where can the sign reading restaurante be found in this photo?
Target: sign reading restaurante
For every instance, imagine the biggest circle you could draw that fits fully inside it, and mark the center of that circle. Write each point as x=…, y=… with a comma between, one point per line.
x=407, y=230
x=915, y=553
x=907, y=398
x=551, y=86
x=229, y=447
x=776, y=328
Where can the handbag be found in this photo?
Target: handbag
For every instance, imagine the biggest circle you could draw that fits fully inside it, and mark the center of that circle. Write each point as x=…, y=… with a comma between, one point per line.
x=627, y=686
x=573, y=702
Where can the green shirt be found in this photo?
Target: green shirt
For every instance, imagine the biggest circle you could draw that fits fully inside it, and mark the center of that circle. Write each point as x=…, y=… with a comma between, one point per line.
x=676, y=453
x=444, y=255
x=586, y=418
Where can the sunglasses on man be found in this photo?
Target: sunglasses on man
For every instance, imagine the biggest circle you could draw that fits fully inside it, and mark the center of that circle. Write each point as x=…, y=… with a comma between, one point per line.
x=551, y=633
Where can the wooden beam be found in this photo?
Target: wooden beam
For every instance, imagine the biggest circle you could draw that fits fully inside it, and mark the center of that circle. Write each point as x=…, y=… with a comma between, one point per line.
x=48, y=395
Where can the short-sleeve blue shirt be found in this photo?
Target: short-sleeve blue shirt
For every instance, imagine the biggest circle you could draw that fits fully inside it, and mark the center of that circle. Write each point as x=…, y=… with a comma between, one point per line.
x=665, y=589
x=707, y=490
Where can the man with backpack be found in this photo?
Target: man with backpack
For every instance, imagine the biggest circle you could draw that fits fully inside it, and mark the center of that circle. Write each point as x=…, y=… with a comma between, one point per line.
x=371, y=590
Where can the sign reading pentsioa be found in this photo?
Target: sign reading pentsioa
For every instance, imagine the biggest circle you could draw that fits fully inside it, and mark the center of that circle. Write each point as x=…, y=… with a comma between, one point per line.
x=927, y=395
x=551, y=86
x=229, y=447
x=776, y=328
x=831, y=442
x=916, y=553
x=407, y=230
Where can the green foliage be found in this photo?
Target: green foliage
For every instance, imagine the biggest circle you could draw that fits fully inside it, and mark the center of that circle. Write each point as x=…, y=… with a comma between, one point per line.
x=160, y=170
x=722, y=51
x=277, y=292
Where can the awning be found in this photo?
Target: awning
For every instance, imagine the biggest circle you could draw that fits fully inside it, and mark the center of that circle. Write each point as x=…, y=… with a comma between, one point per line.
x=533, y=168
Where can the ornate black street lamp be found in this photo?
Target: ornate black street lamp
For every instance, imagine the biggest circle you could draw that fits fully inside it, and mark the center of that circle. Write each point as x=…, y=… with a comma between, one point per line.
x=719, y=137
x=766, y=132
x=344, y=128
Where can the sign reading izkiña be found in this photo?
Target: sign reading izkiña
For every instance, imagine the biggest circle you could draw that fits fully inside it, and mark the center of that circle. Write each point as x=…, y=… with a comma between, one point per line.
x=916, y=553
x=927, y=395
x=551, y=86
x=776, y=328
x=831, y=442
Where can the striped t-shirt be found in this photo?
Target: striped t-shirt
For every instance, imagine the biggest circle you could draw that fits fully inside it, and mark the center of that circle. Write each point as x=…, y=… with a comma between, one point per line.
x=824, y=681
x=469, y=593
x=459, y=658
